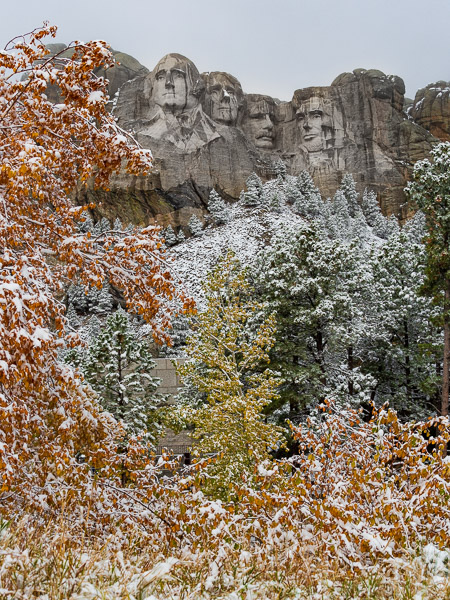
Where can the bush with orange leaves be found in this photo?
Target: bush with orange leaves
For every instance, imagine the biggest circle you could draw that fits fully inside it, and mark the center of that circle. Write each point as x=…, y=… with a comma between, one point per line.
x=359, y=493
x=47, y=414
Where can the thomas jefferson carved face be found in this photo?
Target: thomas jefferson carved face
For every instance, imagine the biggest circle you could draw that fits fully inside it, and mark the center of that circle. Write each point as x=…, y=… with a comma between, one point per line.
x=259, y=123
x=175, y=83
x=312, y=121
x=224, y=96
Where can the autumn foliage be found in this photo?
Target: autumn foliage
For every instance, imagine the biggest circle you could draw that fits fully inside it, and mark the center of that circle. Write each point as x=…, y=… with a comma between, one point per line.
x=47, y=150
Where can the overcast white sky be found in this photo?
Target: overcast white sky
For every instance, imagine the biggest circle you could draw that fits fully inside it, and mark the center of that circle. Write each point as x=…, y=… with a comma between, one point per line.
x=272, y=47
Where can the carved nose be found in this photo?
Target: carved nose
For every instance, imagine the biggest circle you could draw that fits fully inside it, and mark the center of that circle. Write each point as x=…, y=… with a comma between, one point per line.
x=306, y=125
x=268, y=124
x=169, y=80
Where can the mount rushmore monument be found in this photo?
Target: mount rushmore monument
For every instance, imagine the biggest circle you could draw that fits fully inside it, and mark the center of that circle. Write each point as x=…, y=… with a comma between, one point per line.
x=205, y=133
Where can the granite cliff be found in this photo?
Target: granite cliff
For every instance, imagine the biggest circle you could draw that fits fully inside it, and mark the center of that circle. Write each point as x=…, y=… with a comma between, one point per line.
x=206, y=133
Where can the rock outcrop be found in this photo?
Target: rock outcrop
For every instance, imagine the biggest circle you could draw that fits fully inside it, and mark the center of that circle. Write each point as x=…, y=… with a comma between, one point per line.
x=206, y=133
x=126, y=68
x=431, y=109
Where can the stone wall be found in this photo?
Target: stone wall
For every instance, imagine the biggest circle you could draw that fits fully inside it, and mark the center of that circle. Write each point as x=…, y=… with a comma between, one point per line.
x=178, y=443
x=166, y=371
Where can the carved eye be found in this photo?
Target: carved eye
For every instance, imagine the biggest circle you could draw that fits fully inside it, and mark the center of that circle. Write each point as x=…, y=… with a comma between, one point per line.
x=300, y=116
x=160, y=75
x=177, y=75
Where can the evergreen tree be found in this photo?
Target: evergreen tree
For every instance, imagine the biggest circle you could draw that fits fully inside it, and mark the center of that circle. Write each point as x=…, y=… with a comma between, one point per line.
x=102, y=226
x=181, y=237
x=179, y=333
x=253, y=195
x=370, y=207
x=118, y=368
x=118, y=225
x=303, y=278
x=400, y=353
x=72, y=317
x=101, y=299
x=92, y=330
x=280, y=170
x=195, y=226
x=306, y=198
x=348, y=188
x=341, y=215
x=218, y=208
x=77, y=297
x=86, y=223
x=392, y=227
x=169, y=236
x=430, y=190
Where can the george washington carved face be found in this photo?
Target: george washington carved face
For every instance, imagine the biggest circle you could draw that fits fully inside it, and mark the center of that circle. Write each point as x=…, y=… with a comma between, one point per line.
x=224, y=96
x=176, y=83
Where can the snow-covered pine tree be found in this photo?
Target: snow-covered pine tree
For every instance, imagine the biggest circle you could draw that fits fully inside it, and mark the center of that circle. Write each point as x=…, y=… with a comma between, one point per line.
x=92, y=330
x=181, y=237
x=381, y=227
x=118, y=225
x=195, y=226
x=416, y=228
x=280, y=170
x=102, y=300
x=179, y=332
x=86, y=223
x=307, y=199
x=401, y=354
x=72, y=317
x=370, y=207
x=218, y=208
x=348, y=188
x=302, y=280
x=77, y=297
x=341, y=215
x=101, y=226
x=253, y=195
x=118, y=369
x=169, y=236
x=392, y=228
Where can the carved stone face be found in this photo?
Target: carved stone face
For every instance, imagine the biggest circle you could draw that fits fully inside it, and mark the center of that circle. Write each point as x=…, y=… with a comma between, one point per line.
x=311, y=122
x=259, y=123
x=223, y=97
x=175, y=83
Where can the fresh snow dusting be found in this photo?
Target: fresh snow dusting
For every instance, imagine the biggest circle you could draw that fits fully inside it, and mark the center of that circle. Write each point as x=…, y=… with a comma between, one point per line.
x=247, y=233
x=96, y=96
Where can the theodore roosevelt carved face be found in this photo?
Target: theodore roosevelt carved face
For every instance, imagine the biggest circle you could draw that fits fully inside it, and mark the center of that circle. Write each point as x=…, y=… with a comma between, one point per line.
x=224, y=96
x=176, y=84
x=259, y=121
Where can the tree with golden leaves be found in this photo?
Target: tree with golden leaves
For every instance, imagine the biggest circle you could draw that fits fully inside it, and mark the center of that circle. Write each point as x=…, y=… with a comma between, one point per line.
x=228, y=357
x=47, y=414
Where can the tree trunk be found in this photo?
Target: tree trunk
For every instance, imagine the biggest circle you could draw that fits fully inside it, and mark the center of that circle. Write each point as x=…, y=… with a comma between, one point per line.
x=446, y=362
x=350, y=366
x=407, y=363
